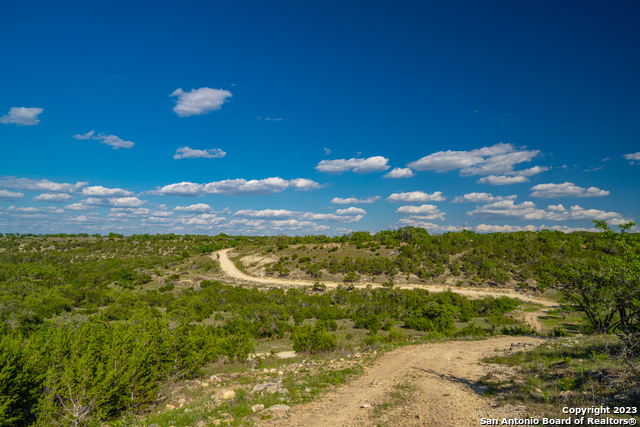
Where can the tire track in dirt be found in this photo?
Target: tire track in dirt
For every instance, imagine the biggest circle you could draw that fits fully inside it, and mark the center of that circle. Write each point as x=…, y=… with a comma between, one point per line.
x=444, y=376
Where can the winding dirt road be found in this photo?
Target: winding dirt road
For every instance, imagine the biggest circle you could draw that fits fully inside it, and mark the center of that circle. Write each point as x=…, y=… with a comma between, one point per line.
x=443, y=376
x=229, y=268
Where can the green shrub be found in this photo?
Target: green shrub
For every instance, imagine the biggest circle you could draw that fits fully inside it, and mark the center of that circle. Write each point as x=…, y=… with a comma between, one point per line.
x=471, y=330
x=307, y=339
x=518, y=330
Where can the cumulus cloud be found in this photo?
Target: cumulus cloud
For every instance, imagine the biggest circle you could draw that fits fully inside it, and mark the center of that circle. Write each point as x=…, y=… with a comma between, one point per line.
x=353, y=200
x=123, y=202
x=418, y=210
x=188, y=153
x=567, y=189
x=371, y=164
x=450, y=160
x=100, y=191
x=79, y=207
x=22, y=116
x=484, y=228
x=87, y=135
x=508, y=210
x=199, y=101
x=114, y=141
x=400, y=173
x=632, y=156
x=236, y=187
x=266, y=213
x=351, y=211
x=202, y=219
x=31, y=209
x=138, y=213
x=481, y=198
x=327, y=151
x=416, y=197
x=502, y=180
x=247, y=222
x=199, y=207
x=421, y=213
x=26, y=184
x=349, y=216
x=434, y=228
x=497, y=160
x=10, y=195
x=53, y=197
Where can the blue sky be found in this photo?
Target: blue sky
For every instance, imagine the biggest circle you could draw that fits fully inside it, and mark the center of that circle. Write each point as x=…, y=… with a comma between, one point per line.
x=254, y=117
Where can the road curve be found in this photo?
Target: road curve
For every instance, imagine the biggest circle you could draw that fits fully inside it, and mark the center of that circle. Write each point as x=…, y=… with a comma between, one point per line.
x=229, y=268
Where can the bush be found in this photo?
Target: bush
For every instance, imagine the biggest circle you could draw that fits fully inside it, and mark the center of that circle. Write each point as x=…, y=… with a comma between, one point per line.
x=307, y=339
x=471, y=330
x=518, y=330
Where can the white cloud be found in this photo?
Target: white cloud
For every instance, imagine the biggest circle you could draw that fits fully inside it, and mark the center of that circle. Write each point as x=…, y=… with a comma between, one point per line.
x=87, y=135
x=266, y=213
x=352, y=216
x=79, y=207
x=353, y=200
x=508, y=210
x=202, y=219
x=22, y=116
x=416, y=197
x=200, y=207
x=236, y=187
x=484, y=228
x=26, y=184
x=53, y=197
x=188, y=153
x=331, y=217
x=138, y=213
x=303, y=184
x=429, y=212
x=498, y=159
x=434, y=228
x=632, y=156
x=502, y=180
x=450, y=160
x=327, y=151
x=87, y=218
x=273, y=120
x=31, y=209
x=10, y=195
x=293, y=224
x=504, y=163
x=372, y=164
x=100, y=191
x=114, y=141
x=247, y=222
x=567, y=189
x=481, y=198
x=199, y=101
x=123, y=202
x=351, y=211
x=400, y=173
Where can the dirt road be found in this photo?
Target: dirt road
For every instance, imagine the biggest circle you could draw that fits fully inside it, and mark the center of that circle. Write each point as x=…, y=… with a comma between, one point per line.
x=443, y=377
x=229, y=268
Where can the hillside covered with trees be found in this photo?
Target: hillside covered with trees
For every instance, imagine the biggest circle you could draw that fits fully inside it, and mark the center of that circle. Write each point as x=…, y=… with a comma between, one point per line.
x=92, y=326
